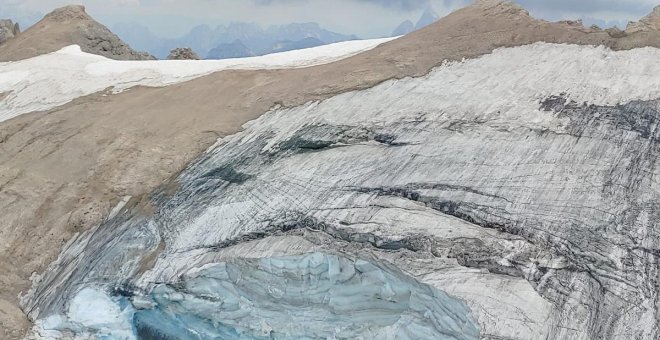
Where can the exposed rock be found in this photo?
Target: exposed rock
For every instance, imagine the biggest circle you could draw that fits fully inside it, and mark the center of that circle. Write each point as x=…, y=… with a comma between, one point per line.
x=65, y=26
x=68, y=13
x=650, y=22
x=8, y=30
x=576, y=23
x=183, y=53
x=616, y=32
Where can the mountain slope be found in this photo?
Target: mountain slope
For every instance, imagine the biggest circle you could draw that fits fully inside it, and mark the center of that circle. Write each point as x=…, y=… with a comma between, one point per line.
x=650, y=22
x=63, y=170
x=65, y=26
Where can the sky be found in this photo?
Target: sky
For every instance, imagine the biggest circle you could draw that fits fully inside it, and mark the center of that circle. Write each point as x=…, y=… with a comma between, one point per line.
x=365, y=18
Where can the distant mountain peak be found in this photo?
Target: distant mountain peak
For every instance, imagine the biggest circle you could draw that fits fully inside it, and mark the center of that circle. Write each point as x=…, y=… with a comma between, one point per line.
x=235, y=49
x=428, y=17
x=404, y=28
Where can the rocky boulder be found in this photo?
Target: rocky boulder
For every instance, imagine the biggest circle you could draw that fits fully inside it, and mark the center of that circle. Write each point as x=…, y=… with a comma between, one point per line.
x=8, y=30
x=183, y=53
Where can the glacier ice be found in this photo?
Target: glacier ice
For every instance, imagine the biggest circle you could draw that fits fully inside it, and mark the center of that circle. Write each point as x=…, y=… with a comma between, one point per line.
x=532, y=199
x=91, y=314
x=309, y=296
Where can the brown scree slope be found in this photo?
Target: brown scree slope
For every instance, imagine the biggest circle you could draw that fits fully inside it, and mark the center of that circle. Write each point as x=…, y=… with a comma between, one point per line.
x=62, y=170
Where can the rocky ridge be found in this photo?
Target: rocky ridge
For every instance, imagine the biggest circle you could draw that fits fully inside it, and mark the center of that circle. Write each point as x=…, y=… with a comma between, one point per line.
x=650, y=22
x=65, y=26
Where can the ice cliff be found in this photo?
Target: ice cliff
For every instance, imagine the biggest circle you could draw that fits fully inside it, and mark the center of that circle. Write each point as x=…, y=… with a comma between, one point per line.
x=510, y=196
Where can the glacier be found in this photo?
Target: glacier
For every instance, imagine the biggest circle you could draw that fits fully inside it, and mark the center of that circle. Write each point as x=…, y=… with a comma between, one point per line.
x=526, y=204
x=47, y=81
x=297, y=297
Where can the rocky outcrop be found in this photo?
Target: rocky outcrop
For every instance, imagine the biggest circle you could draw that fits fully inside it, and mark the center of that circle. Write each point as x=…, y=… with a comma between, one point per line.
x=65, y=26
x=183, y=53
x=650, y=22
x=8, y=30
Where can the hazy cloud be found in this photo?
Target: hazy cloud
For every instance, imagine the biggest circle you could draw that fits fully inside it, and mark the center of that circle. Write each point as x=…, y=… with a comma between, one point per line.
x=277, y=2
x=392, y=4
x=400, y=4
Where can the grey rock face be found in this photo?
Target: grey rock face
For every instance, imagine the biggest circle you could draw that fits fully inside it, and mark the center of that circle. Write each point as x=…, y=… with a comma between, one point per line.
x=183, y=53
x=8, y=30
x=97, y=39
x=532, y=199
x=91, y=36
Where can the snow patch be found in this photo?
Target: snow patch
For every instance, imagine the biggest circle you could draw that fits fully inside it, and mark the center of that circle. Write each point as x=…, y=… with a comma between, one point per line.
x=50, y=80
